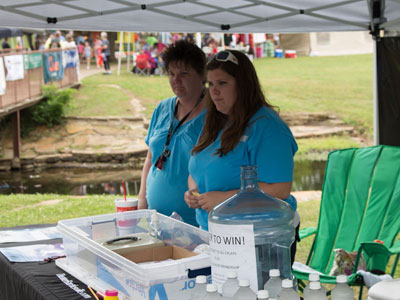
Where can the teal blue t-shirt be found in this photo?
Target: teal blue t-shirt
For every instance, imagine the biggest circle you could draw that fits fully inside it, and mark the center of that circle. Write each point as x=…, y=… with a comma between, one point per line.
x=165, y=188
x=267, y=143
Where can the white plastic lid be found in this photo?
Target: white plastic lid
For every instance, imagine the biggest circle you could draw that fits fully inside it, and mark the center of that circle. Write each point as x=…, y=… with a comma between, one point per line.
x=315, y=285
x=313, y=277
x=244, y=282
x=211, y=288
x=341, y=279
x=262, y=294
x=231, y=274
x=201, y=279
x=274, y=273
x=385, y=290
x=287, y=283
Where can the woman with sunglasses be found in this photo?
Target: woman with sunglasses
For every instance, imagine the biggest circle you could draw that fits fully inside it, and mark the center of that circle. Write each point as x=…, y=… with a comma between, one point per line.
x=241, y=128
x=174, y=129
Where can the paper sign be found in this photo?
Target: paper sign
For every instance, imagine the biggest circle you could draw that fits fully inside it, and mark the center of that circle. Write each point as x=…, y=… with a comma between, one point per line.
x=15, y=67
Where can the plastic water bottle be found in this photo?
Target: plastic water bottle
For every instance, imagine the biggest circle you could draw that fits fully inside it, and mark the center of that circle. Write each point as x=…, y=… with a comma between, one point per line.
x=342, y=291
x=274, y=283
x=315, y=292
x=155, y=230
x=262, y=295
x=311, y=278
x=231, y=285
x=287, y=292
x=212, y=293
x=199, y=291
x=272, y=231
x=244, y=292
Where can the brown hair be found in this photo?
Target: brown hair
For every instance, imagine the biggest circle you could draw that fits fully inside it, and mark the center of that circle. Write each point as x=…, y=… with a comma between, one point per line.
x=250, y=98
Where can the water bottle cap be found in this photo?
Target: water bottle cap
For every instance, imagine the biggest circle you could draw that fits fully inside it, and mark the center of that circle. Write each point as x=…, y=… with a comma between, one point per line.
x=341, y=279
x=244, y=282
x=231, y=274
x=287, y=283
x=201, y=279
x=274, y=273
x=111, y=293
x=315, y=285
x=313, y=277
x=211, y=288
x=262, y=294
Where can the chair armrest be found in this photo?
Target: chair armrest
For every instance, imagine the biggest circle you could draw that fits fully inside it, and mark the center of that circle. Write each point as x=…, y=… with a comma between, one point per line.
x=378, y=256
x=306, y=232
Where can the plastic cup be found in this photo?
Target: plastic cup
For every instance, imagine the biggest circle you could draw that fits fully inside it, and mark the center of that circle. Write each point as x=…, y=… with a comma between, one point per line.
x=130, y=204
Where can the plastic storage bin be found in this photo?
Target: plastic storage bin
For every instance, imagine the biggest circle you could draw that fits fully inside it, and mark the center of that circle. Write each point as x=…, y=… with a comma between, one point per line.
x=140, y=273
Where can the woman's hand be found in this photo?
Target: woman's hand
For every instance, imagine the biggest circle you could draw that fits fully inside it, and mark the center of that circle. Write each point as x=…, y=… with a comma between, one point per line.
x=191, y=198
x=209, y=200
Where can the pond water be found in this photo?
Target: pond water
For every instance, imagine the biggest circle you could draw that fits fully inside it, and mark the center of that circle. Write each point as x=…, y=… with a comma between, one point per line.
x=308, y=175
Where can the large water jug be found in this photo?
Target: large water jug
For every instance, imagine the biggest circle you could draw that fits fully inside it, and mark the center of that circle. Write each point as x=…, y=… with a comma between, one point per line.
x=288, y=292
x=342, y=291
x=212, y=293
x=230, y=286
x=315, y=292
x=252, y=232
x=274, y=283
x=199, y=291
x=312, y=277
x=244, y=292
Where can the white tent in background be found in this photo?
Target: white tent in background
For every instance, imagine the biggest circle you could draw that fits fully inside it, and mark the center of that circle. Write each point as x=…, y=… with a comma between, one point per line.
x=237, y=16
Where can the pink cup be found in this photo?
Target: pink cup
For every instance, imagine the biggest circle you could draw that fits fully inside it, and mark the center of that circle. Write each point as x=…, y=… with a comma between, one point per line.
x=130, y=204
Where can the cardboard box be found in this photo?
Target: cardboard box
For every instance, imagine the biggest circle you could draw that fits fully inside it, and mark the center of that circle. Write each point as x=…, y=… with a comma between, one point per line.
x=157, y=254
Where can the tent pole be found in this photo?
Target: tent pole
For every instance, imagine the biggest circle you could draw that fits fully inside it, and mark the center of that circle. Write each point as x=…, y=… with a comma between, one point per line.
x=121, y=35
x=129, y=52
x=198, y=39
x=375, y=97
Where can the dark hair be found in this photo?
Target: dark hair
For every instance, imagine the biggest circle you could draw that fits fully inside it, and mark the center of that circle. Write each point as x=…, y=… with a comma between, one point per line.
x=250, y=98
x=185, y=52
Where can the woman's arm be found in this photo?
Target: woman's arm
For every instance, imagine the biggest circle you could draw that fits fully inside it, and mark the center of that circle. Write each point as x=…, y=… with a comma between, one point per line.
x=280, y=190
x=145, y=171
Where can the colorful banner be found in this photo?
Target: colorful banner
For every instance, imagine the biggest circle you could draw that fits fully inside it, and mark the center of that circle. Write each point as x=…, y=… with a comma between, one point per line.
x=53, y=66
x=70, y=58
x=15, y=67
x=2, y=78
x=33, y=61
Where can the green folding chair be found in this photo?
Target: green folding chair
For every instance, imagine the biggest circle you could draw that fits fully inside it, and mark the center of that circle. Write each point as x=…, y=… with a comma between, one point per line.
x=360, y=203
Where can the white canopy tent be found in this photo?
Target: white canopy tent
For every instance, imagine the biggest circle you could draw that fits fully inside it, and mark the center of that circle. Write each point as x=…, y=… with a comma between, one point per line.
x=236, y=16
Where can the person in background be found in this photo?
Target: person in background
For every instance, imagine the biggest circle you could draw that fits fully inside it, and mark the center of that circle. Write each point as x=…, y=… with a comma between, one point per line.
x=105, y=51
x=88, y=54
x=241, y=128
x=174, y=129
x=69, y=42
x=5, y=44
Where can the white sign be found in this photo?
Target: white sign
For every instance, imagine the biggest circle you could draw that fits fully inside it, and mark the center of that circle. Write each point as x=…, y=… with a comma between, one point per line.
x=15, y=67
x=232, y=247
x=2, y=78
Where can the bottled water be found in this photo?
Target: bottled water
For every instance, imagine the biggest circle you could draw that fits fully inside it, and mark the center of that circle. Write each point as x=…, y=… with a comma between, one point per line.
x=155, y=230
x=311, y=278
x=199, y=290
x=271, y=233
x=287, y=292
x=231, y=285
x=274, y=283
x=212, y=293
x=262, y=295
x=244, y=292
x=342, y=291
x=315, y=292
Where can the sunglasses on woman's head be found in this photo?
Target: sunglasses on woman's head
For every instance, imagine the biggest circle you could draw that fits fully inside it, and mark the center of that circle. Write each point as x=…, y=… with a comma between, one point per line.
x=225, y=56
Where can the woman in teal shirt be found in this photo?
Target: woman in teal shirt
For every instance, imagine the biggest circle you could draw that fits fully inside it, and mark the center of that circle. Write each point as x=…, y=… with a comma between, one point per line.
x=241, y=128
x=174, y=129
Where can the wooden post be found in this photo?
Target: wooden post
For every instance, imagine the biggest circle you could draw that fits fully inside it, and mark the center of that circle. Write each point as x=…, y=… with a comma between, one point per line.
x=17, y=139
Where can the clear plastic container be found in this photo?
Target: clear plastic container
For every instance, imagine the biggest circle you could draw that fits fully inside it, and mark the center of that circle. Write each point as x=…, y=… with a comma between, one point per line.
x=272, y=233
x=212, y=293
x=287, y=292
x=315, y=292
x=231, y=285
x=244, y=292
x=200, y=289
x=274, y=283
x=312, y=277
x=342, y=291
